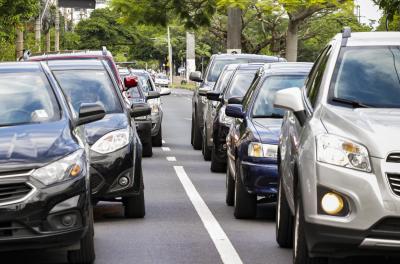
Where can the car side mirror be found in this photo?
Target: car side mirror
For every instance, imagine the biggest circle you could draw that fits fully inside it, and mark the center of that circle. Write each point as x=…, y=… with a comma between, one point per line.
x=138, y=110
x=291, y=99
x=214, y=96
x=130, y=82
x=152, y=95
x=165, y=91
x=235, y=100
x=195, y=76
x=89, y=113
x=235, y=110
x=203, y=91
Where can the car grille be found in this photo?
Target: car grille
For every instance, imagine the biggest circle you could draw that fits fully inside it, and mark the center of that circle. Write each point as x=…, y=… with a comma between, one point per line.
x=10, y=192
x=394, y=181
x=394, y=157
x=388, y=225
x=9, y=229
x=96, y=181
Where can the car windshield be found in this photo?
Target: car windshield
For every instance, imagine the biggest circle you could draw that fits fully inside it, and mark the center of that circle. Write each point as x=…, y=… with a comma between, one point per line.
x=134, y=93
x=263, y=105
x=369, y=76
x=162, y=77
x=89, y=86
x=240, y=83
x=146, y=83
x=25, y=98
x=223, y=81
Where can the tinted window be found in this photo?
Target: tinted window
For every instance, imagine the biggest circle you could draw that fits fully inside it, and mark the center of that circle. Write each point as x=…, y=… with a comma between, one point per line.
x=369, y=76
x=26, y=97
x=264, y=103
x=223, y=81
x=89, y=86
x=240, y=83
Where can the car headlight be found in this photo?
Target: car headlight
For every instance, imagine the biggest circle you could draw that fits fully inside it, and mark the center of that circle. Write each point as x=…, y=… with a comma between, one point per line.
x=342, y=152
x=154, y=109
x=259, y=150
x=69, y=167
x=223, y=118
x=112, y=141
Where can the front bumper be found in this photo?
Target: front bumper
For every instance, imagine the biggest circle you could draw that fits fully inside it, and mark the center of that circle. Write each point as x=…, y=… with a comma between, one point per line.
x=371, y=202
x=156, y=120
x=144, y=130
x=260, y=178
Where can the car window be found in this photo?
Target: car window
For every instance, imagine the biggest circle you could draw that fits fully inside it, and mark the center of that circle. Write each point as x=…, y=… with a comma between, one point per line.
x=240, y=83
x=26, y=97
x=264, y=102
x=89, y=86
x=223, y=81
x=146, y=83
x=134, y=93
x=369, y=75
x=316, y=75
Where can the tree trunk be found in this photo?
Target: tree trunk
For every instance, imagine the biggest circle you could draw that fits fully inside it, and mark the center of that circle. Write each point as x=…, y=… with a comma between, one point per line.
x=38, y=29
x=292, y=39
x=19, y=43
x=234, y=28
x=57, y=31
x=48, y=42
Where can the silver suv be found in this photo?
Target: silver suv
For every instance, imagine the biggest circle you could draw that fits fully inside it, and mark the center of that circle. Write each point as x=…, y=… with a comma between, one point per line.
x=339, y=152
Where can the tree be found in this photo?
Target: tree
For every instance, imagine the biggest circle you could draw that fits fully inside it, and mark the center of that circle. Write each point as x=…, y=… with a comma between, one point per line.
x=390, y=7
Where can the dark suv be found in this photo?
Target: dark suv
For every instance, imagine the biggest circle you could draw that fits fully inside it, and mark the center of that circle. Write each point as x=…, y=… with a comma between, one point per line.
x=44, y=166
x=207, y=82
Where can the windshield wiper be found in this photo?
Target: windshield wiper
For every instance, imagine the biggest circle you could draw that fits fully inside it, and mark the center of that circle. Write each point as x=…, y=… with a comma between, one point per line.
x=353, y=103
x=273, y=115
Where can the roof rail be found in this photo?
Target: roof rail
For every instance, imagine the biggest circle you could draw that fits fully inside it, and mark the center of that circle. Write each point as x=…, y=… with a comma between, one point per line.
x=346, y=34
x=104, y=50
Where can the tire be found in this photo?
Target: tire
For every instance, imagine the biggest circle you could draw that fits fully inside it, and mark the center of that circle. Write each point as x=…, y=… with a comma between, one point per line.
x=135, y=206
x=284, y=220
x=245, y=204
x=230, y=188
x=157, y=139
x=205, y=149
x=147, y=148
x=86, y=253
x=300, y=250
x=192, y=131
x=216, y=166
x=197, y=137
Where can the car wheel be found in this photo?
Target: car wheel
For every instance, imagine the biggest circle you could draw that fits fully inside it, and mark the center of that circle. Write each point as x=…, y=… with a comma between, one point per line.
x=205, y=149
x=192, y=131
x=157, y=139
x=197, y=137
x=148, y=147
x=135, y=206
x=284, y=220
x=230, y=188
x=86, y=253
x=300, y=250
x=245, y=204
x=216, y=166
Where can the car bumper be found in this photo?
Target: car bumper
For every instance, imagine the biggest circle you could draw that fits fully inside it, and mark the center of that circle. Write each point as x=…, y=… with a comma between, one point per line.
x=219, y=138
x=370, y=200
x=156, y=121
x=259, y=178
x=144, y=130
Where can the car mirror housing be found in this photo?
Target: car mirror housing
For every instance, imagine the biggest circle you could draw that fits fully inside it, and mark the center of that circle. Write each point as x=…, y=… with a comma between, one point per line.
x=138, y=110
x=203, y=91
x=152, y=95
x=214, y=96
x=165, y=91
x=89, y=113
x=291, y=99
x=235, y=100
x=195, y=76
x=130, y=82
x=234, y=110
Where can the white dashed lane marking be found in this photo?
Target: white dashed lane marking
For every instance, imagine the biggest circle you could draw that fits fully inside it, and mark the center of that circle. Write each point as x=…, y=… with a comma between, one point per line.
x=171, y=158
x=166, y=149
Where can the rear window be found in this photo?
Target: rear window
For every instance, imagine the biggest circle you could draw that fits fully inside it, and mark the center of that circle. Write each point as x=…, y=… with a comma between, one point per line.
x=240, y=83
x=25, y=98
x=223, y=80
x=89, y=86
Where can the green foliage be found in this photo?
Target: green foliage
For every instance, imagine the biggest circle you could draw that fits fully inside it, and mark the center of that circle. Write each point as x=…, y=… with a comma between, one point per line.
x=70, y=40
x=390, y=7
x=14, y=12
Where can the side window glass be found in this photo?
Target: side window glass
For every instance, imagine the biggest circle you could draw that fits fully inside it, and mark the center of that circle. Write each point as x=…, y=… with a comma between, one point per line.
x=250, y=92
x=315, y=78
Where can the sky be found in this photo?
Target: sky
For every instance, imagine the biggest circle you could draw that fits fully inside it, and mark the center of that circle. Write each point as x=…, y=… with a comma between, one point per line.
x=369, y=11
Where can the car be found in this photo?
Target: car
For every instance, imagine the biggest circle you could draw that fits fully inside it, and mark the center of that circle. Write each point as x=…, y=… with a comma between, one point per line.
x=338, y=152
x=44, y=165
x=207, y=82
x=161, y=80
x=238, y=84
x=252, y=142
x=210, y=109
x=115, y=147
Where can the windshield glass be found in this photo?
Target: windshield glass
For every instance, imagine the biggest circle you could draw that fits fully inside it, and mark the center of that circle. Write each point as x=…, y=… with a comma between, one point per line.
x=25, y=98
x=89, y=86
x=369, y=76
x=264, y=103
x=162, y=77
x=223, y=81
x=146, y=83
x=240, y=83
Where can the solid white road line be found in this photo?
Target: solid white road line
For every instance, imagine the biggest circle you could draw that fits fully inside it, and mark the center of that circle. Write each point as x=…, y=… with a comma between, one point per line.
x=188, y=119
x=221, y=241
x=171, y=158
x=165, y=148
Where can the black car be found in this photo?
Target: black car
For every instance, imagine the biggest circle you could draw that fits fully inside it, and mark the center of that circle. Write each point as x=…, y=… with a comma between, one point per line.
x=238, y=85
x=207, y=82
x=44, y=167
x=115, y=147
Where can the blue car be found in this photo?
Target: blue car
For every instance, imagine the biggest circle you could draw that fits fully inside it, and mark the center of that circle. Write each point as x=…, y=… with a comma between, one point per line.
x=252, y=141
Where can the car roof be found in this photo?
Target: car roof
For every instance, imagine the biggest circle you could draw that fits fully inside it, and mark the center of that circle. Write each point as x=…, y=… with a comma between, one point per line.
x=75, y=65
x=20, y=66
x=246, y=56
x=287, y=67
x=250, y=66
x=88, y=54
x=371, y=39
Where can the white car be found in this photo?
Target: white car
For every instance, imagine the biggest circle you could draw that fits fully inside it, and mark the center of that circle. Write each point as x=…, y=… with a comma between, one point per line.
x=161, y=81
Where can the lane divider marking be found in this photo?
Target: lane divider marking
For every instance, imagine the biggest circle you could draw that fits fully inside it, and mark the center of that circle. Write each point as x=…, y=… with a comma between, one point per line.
x=163, y=141
x=221, y=241
x=188, y=119
x=165, y=148
x=171, y=158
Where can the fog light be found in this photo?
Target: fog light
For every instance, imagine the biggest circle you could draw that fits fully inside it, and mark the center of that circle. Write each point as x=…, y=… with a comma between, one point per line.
x=332, y=203
x=123, y=181
x=68, y=220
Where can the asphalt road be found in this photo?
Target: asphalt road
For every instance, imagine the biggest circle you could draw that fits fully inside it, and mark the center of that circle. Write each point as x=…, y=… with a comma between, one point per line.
x=179, y=227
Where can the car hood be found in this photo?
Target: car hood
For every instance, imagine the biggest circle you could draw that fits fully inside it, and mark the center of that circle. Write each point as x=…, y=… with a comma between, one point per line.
x=34, y=145
x=268, y=129
x=377, y=129
x=111, y=122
